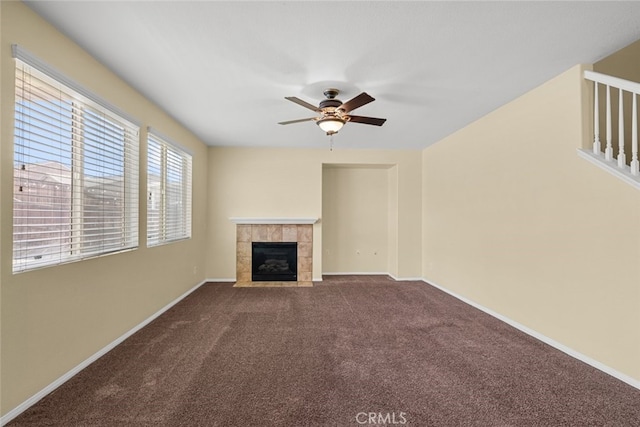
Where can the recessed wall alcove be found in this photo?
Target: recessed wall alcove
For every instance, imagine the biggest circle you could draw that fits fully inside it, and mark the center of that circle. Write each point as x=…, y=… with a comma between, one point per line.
x=293, y=230
x=360, y=219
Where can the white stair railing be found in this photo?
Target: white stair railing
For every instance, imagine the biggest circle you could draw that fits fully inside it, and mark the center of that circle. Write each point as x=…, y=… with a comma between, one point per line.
x=630, y=172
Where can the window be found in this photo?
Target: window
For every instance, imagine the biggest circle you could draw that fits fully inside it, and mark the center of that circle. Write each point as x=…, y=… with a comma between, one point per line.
x=75, y=192
x=168, y=191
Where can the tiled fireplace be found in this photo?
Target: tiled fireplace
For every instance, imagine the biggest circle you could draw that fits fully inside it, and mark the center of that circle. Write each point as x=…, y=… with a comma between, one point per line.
x=249, y=230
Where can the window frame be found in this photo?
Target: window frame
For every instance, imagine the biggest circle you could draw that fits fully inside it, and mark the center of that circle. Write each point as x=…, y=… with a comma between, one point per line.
x=87, y=113
x=158, y=200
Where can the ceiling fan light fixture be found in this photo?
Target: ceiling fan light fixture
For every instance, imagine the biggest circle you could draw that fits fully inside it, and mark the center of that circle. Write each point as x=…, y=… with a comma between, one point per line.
x=330, y=125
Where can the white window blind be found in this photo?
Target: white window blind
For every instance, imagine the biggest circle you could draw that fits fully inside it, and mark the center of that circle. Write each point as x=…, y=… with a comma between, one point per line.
x=168, y=191
x=75, y=173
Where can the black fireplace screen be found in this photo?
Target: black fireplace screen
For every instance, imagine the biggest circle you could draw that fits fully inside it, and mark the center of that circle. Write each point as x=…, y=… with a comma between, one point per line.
x=274, y=262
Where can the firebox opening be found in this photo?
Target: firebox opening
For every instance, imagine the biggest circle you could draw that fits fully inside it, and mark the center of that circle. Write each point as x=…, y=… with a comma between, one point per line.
x=274, y=262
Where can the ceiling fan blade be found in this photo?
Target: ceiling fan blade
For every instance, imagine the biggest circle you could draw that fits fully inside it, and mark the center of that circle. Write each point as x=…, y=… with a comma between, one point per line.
x=297, y=121
x=303, y=103
x=367, y=120
x=357, y=102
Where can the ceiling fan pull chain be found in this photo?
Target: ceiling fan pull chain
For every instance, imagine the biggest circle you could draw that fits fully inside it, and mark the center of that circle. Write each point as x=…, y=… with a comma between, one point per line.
x=331, y=142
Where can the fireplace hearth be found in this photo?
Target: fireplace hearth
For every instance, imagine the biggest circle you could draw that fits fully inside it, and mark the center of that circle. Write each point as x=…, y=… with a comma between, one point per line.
x=274, y=262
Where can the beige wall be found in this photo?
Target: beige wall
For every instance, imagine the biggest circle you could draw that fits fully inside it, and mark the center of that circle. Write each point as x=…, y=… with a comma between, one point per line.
x=355, y=219
x=54, y=318
x=514, y=220
x=273, y=182
x=625, y=63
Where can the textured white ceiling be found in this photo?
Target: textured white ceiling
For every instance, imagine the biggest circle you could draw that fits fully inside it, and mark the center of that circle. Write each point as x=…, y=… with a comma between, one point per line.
x=223, y=68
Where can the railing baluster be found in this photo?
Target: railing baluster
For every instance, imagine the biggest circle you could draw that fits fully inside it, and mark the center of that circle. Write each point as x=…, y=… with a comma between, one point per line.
x=634, y=137
x=623, y=161
x=622, y=158
x=608, y=152
x=596, y=121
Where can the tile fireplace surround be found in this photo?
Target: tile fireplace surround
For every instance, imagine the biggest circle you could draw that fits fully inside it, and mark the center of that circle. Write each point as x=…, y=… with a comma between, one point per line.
x=250, y=230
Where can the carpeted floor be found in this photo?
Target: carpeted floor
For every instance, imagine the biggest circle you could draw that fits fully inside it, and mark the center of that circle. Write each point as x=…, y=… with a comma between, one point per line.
x=349, y=351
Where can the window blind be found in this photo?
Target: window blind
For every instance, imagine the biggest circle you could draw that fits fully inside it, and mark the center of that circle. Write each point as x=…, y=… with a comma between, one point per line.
x=168, y=191
x=75, y=174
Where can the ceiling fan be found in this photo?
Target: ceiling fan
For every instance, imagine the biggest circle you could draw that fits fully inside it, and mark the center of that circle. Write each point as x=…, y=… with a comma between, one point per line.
x=334, y=113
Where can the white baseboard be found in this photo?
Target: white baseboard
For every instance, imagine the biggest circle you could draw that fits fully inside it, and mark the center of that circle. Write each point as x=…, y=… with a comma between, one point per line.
x=406, y=279
x=67, y=376
x=222, y=280
x=358, y=273
x=553, y=343
x=381, y=273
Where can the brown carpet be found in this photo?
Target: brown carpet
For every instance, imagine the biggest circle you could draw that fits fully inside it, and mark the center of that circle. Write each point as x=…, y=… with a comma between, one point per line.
x=330, y=355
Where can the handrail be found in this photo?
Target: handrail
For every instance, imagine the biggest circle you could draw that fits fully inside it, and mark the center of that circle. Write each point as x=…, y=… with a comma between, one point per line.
x=616, y=82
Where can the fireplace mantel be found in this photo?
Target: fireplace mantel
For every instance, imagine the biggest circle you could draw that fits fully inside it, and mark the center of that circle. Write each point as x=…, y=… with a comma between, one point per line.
x=272, y=220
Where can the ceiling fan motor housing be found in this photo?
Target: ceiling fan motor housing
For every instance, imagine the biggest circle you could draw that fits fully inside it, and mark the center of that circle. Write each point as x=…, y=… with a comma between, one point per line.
x=331, y=100
x=335, y=103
